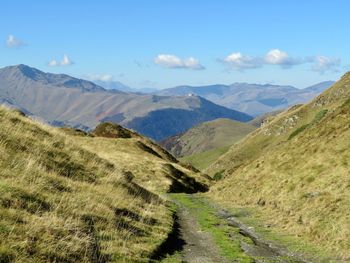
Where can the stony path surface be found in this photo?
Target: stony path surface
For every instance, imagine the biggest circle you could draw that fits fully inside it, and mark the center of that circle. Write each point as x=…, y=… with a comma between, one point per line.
x=199, y=246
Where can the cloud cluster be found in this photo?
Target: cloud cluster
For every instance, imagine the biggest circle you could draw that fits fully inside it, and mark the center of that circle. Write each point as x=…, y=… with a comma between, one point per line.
x=66, y=61
x=240, y=62
x=13, y=42
x=237, y=61
x=172, y=61
x=323, y=64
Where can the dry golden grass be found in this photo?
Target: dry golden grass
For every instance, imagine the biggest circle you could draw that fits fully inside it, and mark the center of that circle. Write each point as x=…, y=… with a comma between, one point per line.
x=150, y=171
x=297, y=178
x=60, y=202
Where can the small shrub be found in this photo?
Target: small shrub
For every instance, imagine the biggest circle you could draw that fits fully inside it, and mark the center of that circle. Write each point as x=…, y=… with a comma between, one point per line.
x=218, y=176
x=6, y=255
x=346, y=103
x=297, y=131
x=291, y=187
x=319, y=116
x=310, y=179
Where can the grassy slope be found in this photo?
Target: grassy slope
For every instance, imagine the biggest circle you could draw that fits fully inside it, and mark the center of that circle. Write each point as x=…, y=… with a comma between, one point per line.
x=204, y=143
x=149, y=170
x=62, y=203
x=294, y=171
x=202, y=160
x=264, y=117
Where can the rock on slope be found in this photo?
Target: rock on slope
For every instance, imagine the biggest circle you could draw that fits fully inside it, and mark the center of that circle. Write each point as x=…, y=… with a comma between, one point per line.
x=295, y=171
x=64, y=100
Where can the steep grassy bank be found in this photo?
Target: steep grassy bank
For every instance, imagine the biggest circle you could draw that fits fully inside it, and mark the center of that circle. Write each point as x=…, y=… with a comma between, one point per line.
x=152, y=167
x=60, y=202
x=294, y=171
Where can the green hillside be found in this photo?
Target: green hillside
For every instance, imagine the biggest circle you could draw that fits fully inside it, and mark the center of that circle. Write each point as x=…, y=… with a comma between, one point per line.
x=202, y=160
x=63, y=199
x=204, y=143
x=293, y=172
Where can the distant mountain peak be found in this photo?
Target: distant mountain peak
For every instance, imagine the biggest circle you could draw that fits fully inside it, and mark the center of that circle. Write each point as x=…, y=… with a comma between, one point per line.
x=27, y=71
x=320, y=87
x=23, y=72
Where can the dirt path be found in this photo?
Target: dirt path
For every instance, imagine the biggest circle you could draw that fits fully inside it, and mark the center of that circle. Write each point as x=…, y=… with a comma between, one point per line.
x=199, y=245
x=211, y=234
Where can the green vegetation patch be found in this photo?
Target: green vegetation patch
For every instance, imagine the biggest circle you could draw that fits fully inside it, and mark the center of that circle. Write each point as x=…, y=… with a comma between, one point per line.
x=210, y=222
x=298, y=130
x=319, y=116
x=204, y=159
x=218, y=175
x=252, y=218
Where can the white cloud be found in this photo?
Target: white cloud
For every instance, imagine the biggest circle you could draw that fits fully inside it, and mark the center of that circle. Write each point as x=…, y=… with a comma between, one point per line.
x=322, y=64
x=240, y=62
x=277, y=57
x=101, y=77
x=281, y=58
x=53, y=63
x=13, y=42
x=171, y=61
x=66, y=61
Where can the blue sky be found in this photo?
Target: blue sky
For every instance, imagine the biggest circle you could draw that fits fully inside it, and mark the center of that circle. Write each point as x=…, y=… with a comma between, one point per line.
x=167, y=43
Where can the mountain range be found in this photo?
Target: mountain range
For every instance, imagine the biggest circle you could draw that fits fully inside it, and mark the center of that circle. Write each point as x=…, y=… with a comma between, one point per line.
x=253, y=99
x=112, y=84
x=63, y=100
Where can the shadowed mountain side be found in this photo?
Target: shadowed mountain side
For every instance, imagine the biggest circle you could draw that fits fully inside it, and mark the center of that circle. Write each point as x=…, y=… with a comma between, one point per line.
x=164, y=123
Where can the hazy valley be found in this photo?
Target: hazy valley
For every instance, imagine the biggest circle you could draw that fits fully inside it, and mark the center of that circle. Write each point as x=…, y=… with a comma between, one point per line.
x=63, y=100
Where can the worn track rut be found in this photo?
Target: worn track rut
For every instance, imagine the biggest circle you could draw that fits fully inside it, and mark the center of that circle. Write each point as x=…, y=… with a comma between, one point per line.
x=199, y=246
